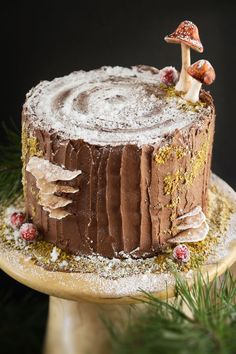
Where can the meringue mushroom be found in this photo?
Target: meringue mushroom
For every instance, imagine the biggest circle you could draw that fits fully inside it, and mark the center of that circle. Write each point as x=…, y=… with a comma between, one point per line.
x=188, y=36
x=202, y=72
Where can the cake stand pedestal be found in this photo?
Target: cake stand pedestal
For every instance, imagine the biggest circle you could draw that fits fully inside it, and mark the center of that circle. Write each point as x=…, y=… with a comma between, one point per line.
x=79, y=302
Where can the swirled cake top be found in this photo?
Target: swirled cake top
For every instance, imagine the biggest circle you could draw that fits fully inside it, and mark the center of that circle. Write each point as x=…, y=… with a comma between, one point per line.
x=110, y=106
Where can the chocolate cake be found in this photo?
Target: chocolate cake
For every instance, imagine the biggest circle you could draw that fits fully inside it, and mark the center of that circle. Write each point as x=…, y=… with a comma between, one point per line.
x=116, y=161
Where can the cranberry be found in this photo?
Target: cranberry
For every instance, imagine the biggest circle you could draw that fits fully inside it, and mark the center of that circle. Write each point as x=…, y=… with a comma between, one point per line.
x=17, y=219
x=181, y=253
x=169, y=75
x=28, y=232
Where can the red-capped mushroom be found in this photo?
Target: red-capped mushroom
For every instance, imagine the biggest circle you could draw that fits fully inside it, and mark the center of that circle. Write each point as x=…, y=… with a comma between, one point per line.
x=202, y=73
x=188, y=36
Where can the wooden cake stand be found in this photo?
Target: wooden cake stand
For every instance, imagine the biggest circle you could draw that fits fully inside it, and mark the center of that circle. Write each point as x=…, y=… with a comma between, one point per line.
x=79, y=301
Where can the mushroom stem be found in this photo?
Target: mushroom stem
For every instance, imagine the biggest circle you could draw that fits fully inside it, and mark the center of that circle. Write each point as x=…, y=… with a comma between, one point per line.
x=184, y=80
x=193, y=93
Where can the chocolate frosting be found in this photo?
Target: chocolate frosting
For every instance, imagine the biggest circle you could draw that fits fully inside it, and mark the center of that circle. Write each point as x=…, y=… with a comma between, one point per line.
x=129, y=195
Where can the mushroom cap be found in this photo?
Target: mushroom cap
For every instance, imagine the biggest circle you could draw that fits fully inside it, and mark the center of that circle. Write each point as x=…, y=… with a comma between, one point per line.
x=202, y=71
x=186, y=33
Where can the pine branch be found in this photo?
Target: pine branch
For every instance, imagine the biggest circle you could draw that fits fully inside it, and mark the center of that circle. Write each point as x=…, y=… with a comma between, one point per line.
x=10, y=164
x=165, y=328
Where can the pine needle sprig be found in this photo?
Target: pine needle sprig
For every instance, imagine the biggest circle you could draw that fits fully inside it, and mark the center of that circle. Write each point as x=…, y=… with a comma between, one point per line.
x=202, y=319
x=10, y=164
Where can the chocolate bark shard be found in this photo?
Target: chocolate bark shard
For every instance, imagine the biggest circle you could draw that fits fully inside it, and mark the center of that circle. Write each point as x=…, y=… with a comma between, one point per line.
x=192, y=226
x=51, y=201
x=190, y=220
x=46, y=174
x=50, y=187
x=191, y=235
x=57, y=213
x=41, y=168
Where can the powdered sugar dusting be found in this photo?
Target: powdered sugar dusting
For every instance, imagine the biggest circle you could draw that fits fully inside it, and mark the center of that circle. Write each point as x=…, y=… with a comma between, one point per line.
x=98, y=285
x=111, y=105
x=54, y=254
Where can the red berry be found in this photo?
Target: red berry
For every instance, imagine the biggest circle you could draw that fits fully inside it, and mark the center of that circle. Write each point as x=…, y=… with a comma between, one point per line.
x=28, y=232
x=17, y=219
x=168, y=75
x=181, y=253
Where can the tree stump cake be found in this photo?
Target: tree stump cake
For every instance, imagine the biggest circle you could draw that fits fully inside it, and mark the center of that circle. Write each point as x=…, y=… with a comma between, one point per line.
x=113, y=158
x=116, y=173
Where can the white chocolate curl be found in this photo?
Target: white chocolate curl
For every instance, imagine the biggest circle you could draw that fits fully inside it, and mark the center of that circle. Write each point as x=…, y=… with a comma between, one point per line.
x=46, y=174
x=191, y=227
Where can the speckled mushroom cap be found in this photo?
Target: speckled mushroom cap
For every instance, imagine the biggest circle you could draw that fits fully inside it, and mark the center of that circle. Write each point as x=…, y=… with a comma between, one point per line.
x=186, y=33
x=202, y=71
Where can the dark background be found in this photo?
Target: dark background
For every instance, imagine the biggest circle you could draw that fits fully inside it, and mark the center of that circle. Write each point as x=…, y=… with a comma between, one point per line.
x=43, y=40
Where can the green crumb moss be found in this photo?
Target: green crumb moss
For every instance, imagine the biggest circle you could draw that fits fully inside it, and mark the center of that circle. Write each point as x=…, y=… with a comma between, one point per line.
x=30, y=147
x=33, y=191
x=184, y=105
x=173, y=182
x=33, y=211
x=174, y=203
x=165, y=152
x=197, y=163
x=190, y=106
x=219, y=215
x=170, y=90
x=178, y=180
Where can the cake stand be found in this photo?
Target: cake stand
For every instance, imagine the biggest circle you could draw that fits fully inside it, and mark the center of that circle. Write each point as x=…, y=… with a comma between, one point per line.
x=78, y=302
